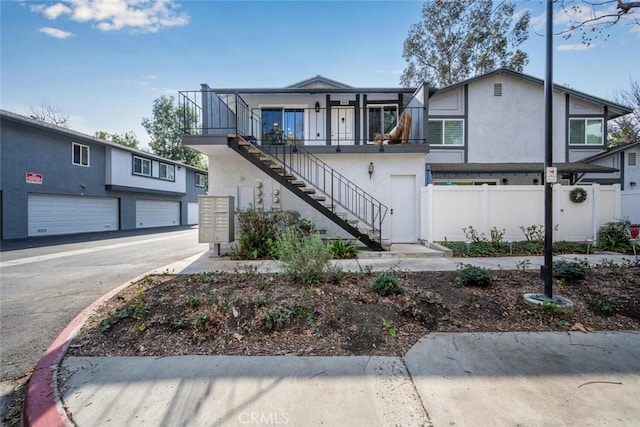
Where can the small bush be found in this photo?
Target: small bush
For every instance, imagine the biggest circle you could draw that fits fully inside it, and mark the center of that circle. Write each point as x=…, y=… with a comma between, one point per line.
x=470, y=275
x=386, y=284
x=615, y=236
x=569, y=270
x=303, y=257
x=341, y=249
x=260, y=229
x=481, y=249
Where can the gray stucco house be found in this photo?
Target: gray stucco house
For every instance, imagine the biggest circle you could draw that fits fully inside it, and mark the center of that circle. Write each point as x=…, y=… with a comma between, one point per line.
x=55, y=181
x=335, y=152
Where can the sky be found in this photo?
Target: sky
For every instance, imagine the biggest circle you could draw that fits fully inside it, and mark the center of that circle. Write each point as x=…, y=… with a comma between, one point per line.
x=104, y=62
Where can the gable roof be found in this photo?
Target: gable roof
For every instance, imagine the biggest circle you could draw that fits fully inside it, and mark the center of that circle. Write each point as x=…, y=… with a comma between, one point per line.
x=78, y=136
x=610, y=152
x=318, y=82
x=615, y=110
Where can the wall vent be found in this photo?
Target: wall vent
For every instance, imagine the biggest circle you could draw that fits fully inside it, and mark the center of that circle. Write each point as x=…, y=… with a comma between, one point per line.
x=632, y=159
x=497, y=89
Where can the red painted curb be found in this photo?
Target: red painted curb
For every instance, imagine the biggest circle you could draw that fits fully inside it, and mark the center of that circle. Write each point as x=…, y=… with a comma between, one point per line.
x=43, y=406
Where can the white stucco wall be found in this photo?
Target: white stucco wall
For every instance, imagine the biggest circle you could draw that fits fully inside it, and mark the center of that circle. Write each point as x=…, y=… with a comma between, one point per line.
x=632, y=172
x=231, y=174
x=119, y=171
x=510, y=128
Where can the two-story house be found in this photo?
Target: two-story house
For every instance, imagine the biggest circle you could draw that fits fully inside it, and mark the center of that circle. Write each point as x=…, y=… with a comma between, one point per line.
x=314, y=146
x=54, y=180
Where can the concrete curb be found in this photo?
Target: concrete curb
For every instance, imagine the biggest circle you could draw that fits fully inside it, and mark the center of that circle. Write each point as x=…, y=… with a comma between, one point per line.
x=43, y=406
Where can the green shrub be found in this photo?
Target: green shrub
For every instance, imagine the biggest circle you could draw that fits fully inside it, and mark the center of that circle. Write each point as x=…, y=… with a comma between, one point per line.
x=386, y=284
x=569, y=270
x=615, y=236
x=341, y=249
x=303, y=257
x=481, y=249
x=259, y=230
x=470, y=275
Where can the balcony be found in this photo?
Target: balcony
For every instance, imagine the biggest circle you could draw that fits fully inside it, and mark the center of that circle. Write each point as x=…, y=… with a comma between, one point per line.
x=209, y=117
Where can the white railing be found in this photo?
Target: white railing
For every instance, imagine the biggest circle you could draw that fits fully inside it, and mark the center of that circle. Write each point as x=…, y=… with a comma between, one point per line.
x=447, y=210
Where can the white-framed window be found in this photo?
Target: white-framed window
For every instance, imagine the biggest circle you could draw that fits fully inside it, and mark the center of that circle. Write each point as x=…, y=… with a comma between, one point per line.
x=446, y=132
x=141, y=166
x=80, y=154
x=201, y=180
x=381, y=119
x=586, y=131
x=167, y=172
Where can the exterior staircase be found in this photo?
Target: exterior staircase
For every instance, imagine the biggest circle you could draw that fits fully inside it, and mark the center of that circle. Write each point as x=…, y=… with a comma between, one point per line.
x=320, y=186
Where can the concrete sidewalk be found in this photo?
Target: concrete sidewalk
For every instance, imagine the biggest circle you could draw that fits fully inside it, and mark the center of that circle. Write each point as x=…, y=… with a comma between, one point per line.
x=445, y=379
x=529, y=379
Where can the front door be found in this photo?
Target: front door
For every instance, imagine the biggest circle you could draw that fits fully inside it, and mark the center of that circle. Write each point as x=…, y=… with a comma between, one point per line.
x=403, y=208
x=342, y=119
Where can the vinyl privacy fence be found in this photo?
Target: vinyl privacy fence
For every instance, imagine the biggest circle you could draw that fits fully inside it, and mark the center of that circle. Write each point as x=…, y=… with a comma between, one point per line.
x=447, y=210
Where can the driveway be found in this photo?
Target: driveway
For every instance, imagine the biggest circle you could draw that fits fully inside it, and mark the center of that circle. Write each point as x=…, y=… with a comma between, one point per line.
x=43, y=288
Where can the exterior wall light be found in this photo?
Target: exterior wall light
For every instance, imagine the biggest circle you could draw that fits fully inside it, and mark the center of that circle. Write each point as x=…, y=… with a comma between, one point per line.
x=317, y=107
x=371, y=167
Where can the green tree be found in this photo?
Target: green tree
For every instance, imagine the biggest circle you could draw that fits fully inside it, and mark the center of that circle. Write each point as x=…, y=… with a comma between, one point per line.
x=626, y=129
x=128, y=139
x=459, y=39
x=165, y=130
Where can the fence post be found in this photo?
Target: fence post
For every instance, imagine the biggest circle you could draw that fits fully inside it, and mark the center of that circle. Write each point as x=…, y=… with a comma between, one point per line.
x=485, y=209
x=595, y=207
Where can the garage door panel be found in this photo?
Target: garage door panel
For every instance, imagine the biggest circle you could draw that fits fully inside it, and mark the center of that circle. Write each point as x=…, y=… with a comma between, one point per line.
x=157, y=213
x=55, y=214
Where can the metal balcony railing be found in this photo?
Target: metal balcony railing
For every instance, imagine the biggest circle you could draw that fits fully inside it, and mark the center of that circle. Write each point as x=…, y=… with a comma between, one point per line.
x=210, y=113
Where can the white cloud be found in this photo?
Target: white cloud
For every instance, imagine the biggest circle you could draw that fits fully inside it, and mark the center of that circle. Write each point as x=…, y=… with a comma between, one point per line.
x=51, y=12
x=115, y=15
x=54, y=32
x=575, y=47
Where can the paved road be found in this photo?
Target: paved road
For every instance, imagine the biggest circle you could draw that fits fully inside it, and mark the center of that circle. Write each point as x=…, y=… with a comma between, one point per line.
x=45, y=287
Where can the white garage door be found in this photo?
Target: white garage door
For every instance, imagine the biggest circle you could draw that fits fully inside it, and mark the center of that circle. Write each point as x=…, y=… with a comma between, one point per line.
x=192, y=214
x=53, y=214
x=157, y=213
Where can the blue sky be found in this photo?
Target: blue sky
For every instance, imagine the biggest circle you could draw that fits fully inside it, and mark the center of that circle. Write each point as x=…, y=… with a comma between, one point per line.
x=103, y=62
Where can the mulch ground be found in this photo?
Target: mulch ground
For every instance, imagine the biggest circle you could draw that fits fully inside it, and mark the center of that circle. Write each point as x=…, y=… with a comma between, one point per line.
x=246, y=313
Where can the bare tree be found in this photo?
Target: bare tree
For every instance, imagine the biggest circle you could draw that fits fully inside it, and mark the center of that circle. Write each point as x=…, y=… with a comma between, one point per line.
x=626, y=129
x=592, y=18
x=50, y=114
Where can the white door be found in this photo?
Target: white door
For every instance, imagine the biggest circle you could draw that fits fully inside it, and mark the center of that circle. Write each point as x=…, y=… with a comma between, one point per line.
x=402, y=208
x=342, y=125
x=157, y=213
x=192, y=213
x=50, y=214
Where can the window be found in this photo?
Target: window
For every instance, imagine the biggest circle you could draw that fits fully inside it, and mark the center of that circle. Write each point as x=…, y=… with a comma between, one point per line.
x=80, y=154
x=167, y=172
x=446, y=132
x=586, y=132
x=201, y=180
x=280, y=124
x=382, y=119
x=141, y=166
x=632, y=159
